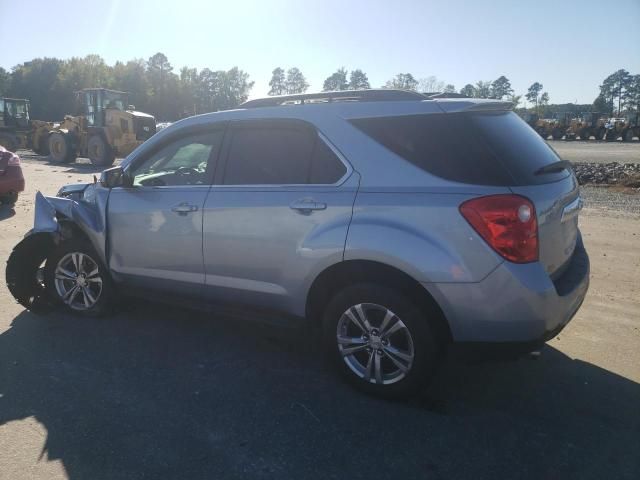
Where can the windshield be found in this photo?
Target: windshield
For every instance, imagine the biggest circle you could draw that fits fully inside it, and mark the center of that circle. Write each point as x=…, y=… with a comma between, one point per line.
x=114, y=100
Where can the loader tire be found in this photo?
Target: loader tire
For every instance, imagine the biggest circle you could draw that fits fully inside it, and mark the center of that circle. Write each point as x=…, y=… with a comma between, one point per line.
x=100, y=152
x=60, y=148
x=8, y=141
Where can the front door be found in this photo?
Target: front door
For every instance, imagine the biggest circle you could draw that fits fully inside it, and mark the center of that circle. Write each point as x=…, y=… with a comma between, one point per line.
x=155, y=226
x=279, y=211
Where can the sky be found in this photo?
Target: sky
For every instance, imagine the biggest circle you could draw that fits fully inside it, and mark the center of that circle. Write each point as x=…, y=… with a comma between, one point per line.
x=569, y=46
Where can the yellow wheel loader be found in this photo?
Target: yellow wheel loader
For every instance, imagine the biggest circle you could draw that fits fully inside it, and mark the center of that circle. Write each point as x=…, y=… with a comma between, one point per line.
x=17, y=130
x=105, y=126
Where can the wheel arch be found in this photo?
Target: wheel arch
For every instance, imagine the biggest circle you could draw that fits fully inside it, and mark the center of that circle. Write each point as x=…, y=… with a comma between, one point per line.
x=348, y=272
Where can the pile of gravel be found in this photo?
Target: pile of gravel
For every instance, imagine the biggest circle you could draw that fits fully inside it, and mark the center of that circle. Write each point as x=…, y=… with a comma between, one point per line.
x=624, y=174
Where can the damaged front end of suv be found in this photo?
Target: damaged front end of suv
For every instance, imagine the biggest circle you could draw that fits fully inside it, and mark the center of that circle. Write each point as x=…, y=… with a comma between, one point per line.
x=76, y=213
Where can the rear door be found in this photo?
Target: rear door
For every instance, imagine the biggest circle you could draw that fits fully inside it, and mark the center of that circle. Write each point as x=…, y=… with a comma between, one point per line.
x=279, y=210
x=155, y=226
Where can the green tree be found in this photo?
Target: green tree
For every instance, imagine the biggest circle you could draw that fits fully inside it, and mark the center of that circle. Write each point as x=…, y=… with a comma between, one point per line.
x=358, y=80
x=600, y=104
x=37, y=80
x=533, y=94
x=188, y=86
x=296, y=82
x=430, y=85
x=468, y=90
x=337, y=81
x=501, y=87
x=131, y=77
x=5, y=77
x=515, y=100
x=449, y=88
x=159, y=70
x=482, y=89
x=616, y=86
x=633, y=98
x=544, y=99
x=277, y=83
x=402, y=81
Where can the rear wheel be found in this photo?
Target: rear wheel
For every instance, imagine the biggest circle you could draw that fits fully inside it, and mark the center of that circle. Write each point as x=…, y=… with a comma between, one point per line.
x=100, y=153
x=585, y=134
x=611, y=136
x=8, y=141
x=557, y=133
x=42, y=147
x=60, y=148
x=600, y=134
x=627, y=136
x=76, y=279
x=379, y=340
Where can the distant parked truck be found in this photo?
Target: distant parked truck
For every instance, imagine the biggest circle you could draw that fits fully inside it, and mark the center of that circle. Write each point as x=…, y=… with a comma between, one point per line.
x=105, y=126
x=17, y=130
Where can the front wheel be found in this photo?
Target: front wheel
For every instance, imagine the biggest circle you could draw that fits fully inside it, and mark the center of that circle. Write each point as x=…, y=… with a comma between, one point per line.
x=60, y=148
x=76, y=279
x=380, y=341
x=100, y=153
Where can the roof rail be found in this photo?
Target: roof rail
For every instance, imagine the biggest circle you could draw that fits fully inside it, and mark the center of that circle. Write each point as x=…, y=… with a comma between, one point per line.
x=371, y=95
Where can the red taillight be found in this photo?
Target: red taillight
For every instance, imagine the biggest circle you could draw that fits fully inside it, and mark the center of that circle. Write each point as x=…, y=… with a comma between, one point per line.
x=507, y=223
x=11, y=158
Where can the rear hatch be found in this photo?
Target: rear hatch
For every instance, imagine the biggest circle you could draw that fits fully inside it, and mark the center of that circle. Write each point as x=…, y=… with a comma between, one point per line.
x=539, y=174
x=490, y=145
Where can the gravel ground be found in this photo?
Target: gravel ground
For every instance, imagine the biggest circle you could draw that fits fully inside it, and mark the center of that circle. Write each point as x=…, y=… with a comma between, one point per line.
x=597, y=152
x=611, y=201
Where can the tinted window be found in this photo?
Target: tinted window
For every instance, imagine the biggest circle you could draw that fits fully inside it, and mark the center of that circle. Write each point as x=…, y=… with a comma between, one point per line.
x=478, y=148
x=326, y=168
x=269, y=156
x=182, y=162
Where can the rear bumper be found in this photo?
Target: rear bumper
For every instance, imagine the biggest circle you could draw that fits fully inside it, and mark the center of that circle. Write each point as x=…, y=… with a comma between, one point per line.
x=11, y=181
x=515, y=304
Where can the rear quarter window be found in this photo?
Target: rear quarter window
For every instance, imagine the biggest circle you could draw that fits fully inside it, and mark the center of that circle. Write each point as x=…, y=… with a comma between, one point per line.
x=482, y=148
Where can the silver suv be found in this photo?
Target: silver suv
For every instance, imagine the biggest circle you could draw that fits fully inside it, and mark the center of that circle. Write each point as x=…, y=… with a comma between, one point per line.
x=395, y=223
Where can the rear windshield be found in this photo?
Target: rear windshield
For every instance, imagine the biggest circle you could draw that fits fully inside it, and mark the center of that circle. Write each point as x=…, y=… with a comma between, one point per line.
x=483, y=148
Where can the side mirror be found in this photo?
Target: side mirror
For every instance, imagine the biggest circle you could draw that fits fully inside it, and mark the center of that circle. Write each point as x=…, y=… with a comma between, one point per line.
x=114, y=177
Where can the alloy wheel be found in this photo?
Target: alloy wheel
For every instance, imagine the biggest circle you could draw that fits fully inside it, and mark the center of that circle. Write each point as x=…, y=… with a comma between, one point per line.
x=78, y=281
x=375, y=343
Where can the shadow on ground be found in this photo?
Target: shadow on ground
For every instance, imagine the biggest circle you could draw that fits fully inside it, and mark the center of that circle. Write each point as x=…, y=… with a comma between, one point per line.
x=166, y=393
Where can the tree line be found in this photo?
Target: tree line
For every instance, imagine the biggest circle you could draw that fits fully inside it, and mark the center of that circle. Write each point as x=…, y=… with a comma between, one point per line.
x=156, y=87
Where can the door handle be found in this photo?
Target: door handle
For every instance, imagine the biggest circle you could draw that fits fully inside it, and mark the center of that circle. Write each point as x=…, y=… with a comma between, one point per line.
x=307, y=205
x=184, y=208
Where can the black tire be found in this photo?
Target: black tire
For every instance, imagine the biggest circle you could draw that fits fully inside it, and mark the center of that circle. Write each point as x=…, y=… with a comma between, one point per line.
x=611, y=136
x=23, y=275
x=600, y=134
x=60, y=148
x=99, y=152
x=585, y=134
x=9, y=199
x=627, y=135
x=8, y=141
x=103, y=300
x=557, y=133
x=43, y=147
x=426, y=348
x=542, y=132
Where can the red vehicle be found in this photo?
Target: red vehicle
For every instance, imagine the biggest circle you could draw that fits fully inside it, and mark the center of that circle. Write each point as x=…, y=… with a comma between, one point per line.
x=11, y=179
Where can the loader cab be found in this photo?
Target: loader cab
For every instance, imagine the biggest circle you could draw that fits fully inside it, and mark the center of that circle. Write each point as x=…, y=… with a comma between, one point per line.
x=94, y=102
x=14, y=112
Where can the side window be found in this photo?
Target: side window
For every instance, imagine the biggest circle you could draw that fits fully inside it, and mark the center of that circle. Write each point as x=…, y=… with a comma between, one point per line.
x=185, y=161
x=326, y=167
x=270, y=155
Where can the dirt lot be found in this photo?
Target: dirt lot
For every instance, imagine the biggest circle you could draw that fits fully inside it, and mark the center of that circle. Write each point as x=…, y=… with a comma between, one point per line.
x=157, y=392
x=597, y=152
